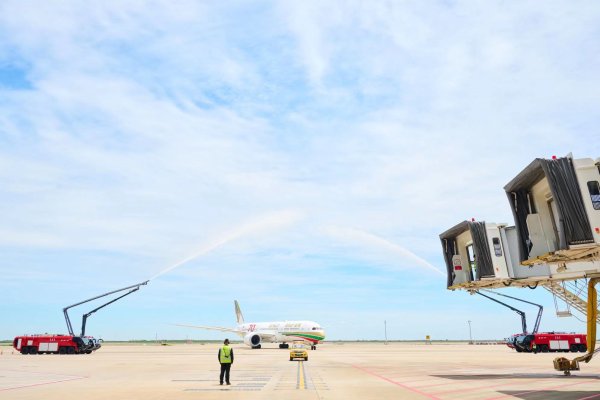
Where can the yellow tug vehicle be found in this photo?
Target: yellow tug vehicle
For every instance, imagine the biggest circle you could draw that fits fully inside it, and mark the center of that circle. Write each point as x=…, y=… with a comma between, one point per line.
x=298, y=350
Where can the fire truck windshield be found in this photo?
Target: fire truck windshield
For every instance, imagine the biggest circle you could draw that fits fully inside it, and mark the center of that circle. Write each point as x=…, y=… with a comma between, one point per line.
x=525, y=340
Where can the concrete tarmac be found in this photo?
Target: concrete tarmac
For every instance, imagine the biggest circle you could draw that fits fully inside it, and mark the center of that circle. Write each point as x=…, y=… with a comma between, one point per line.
x=334, y=371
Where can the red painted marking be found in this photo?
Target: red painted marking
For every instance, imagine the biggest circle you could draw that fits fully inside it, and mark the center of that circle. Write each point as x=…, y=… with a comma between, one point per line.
x=438, y=384
x=427, y=378
x=44, y=373
x=535, y=391
x=40, y=384
x=407, y=382
x=429, y=396
x=590, y=397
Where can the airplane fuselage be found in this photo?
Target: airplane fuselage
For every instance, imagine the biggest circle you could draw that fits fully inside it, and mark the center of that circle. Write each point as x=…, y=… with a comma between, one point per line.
x=283, y=331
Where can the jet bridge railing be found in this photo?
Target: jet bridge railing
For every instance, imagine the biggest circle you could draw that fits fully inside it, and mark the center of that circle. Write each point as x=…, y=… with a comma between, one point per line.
x=575, y=297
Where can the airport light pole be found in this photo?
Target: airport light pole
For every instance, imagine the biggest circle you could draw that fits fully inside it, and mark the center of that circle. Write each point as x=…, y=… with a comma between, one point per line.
x=385, y=330
x=470, y=334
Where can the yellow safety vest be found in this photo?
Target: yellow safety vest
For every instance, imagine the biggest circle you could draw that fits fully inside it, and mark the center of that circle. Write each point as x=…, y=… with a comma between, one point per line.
x=225, y=355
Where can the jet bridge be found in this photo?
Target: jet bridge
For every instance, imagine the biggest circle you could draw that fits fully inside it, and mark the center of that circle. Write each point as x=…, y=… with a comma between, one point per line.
x=556, y=207
x=556, y=238
x=471, y=256
x=480, y=254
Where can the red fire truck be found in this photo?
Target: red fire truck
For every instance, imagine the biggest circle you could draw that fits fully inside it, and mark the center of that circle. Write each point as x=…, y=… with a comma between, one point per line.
x=55, y=344
x=71, y=343
x=551, y=341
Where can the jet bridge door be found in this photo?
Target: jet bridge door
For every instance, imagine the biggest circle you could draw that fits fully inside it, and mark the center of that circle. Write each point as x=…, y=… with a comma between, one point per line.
x=510, y=242
x=462, y=272
x=556, y=225
x=471, y=264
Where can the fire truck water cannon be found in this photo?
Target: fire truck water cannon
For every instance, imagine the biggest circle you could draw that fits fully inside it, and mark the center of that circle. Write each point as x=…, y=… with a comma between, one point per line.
x=71, y=343
x=132, y=288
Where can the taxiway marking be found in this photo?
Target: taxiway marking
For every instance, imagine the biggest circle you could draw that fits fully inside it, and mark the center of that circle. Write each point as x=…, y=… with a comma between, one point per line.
x=301, y=379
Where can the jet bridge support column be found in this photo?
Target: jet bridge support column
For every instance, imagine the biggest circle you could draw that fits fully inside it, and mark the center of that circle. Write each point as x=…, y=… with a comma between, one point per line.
x=563, y=364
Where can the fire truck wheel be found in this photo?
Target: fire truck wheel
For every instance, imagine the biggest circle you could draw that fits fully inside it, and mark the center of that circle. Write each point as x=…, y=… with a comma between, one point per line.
x=574, y=348
x=88, y=352
x=582, y=348
x=62, y=350
x=544, y=348
x=33, y=350
x=70, y=350
x=24, y=350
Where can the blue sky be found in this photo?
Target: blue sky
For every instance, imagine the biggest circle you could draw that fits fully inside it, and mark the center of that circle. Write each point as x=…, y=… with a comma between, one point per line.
x=311, y=151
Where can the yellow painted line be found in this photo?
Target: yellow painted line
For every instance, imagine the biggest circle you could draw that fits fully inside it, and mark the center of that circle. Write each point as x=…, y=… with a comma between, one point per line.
x=301, y=380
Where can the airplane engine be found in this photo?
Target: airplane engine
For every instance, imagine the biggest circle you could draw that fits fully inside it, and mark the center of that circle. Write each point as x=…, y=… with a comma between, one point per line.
x=252, y=339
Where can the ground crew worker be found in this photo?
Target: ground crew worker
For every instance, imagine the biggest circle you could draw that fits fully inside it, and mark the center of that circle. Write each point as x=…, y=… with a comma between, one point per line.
x=226, y=359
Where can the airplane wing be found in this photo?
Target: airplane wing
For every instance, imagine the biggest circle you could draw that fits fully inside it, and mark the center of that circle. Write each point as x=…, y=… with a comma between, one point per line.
x=212, y=328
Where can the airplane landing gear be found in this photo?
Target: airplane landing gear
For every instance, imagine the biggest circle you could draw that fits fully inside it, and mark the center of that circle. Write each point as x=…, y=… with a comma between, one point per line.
x=284, y=346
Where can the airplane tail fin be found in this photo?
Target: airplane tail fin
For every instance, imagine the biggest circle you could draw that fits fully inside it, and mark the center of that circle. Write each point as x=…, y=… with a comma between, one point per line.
x=238, y=313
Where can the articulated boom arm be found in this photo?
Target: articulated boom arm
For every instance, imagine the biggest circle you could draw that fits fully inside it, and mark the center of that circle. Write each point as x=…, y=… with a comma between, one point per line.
x=133, y=288
x=538, y=319
x=521, y=313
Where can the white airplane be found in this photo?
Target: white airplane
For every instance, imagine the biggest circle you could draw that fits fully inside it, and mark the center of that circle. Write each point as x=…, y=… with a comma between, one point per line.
x=282, y=332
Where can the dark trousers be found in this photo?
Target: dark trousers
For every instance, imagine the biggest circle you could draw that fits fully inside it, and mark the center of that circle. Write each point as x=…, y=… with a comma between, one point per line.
x=225, y=371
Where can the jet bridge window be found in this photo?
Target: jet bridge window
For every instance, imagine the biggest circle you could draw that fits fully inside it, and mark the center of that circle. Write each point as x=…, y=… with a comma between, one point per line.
x=497, y=247
x=594, y=188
